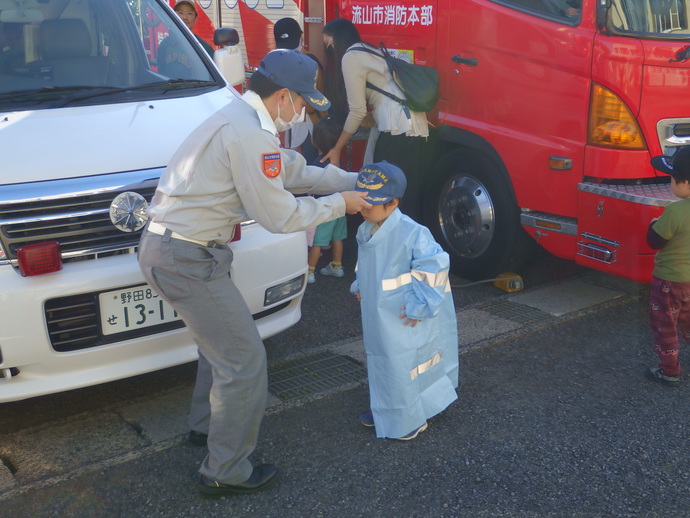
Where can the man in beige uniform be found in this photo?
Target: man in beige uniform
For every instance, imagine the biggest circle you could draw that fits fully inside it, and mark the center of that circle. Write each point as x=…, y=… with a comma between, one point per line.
x=230, y=169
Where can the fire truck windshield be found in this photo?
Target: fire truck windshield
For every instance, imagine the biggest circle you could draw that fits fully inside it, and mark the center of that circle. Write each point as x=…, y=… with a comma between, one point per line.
x=667, y=19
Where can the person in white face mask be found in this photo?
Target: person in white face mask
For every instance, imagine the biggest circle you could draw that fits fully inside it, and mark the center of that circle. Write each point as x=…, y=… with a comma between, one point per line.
x=297, y=118
x=230, y=169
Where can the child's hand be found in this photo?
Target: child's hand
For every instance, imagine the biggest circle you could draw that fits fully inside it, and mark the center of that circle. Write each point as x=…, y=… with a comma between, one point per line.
x=358, y=297
x=409, y=320
x=334, y=156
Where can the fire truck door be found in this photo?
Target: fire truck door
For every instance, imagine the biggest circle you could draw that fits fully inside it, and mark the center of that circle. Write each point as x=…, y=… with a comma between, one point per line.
x=519, y=77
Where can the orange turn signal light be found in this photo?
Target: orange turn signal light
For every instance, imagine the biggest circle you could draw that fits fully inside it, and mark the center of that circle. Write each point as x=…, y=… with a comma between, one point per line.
x=611, y=123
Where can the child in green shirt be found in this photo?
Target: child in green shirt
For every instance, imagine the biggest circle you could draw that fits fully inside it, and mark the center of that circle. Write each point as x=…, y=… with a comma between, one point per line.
x=670, y=288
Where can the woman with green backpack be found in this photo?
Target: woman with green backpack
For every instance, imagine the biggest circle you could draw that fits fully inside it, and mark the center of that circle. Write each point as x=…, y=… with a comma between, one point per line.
x=362, y=91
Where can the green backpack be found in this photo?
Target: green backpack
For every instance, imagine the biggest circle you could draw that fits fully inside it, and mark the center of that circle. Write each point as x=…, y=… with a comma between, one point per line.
x=419, y=83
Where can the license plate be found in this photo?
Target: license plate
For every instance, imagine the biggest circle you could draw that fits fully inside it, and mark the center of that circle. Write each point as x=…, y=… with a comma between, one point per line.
x=133, y=308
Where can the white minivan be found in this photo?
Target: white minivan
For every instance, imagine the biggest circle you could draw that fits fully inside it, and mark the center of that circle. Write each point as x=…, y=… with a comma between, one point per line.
x=89, y=118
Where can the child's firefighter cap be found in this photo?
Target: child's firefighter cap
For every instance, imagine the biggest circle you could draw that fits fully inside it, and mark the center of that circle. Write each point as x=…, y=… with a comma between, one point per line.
x=382, y=181
x=295, y=71
x=677, y=165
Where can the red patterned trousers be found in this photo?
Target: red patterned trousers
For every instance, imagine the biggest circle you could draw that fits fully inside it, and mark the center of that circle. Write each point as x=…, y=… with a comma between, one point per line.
x=669, y=312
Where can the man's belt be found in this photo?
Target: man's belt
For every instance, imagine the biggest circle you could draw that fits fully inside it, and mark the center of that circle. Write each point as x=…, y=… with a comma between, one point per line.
x=159, y=229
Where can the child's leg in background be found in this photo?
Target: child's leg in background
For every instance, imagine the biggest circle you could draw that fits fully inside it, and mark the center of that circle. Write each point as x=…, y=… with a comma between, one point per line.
x=337, y=251
x=337, y=237
x=665, y=315
x=312, y=259
x=338, y=232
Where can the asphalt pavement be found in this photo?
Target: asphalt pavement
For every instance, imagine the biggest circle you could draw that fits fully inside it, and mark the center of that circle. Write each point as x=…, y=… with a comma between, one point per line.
x=555, y=418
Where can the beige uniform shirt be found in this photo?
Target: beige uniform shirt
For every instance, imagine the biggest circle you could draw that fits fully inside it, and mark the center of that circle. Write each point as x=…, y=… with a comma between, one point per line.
x=231, y=168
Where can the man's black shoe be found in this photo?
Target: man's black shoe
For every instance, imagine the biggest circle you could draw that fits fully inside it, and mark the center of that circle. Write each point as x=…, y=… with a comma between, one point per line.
x=262, y=478
x=198, y=438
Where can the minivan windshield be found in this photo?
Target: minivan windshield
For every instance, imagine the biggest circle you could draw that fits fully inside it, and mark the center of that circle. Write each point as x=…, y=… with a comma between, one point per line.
x=67, y=52
x=666, y=19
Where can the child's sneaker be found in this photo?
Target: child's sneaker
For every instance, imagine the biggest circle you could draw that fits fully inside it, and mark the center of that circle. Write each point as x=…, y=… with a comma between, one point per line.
x=655, y=374
x=367, y=419
x=311, y=278
x=338, y=271
x=414, y=433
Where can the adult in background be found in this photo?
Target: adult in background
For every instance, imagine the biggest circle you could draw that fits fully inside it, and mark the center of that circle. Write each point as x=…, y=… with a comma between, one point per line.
x=289, y=35
x=230, y=169
x=398, y=135
x=174, y=51
x=186, y=10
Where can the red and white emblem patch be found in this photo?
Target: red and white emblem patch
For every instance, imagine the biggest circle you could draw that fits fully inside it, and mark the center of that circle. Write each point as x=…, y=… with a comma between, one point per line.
x=271, y=164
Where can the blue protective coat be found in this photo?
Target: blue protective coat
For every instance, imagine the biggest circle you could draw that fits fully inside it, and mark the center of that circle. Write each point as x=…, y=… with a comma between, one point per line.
x=413, y=371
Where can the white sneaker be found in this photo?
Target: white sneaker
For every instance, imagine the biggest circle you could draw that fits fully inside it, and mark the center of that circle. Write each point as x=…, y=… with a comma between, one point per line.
x=413, y=433
x=333, y=272
x=311, y=278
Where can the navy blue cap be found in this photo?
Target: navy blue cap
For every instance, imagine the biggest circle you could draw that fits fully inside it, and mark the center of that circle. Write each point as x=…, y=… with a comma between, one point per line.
x=383, y=181
x=296, y=71
x=677, y=165
x=287, y=33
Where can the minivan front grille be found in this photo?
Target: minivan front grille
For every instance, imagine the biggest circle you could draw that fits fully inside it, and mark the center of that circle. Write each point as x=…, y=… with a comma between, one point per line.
x=74, y=212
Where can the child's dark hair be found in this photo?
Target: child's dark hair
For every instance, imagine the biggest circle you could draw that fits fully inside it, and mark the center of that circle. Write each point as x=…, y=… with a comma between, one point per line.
x=326, y=134
x=388, y=203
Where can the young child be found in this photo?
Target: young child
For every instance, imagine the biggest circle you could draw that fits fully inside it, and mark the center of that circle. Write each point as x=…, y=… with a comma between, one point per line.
x=325, y=135
x=408, y=316
x=670, y=288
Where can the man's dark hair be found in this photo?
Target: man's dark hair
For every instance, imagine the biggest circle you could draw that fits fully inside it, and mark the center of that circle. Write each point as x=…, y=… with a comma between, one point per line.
x=262, y=85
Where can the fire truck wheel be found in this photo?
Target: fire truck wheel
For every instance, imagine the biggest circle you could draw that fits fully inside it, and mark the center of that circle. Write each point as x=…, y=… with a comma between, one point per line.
x=471, y=211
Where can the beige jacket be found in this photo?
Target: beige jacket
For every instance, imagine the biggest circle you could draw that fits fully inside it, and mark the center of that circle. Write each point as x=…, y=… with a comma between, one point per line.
x=360, y=67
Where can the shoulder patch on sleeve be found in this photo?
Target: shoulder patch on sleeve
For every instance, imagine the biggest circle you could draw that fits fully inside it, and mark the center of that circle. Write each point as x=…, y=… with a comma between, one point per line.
x=271, y=164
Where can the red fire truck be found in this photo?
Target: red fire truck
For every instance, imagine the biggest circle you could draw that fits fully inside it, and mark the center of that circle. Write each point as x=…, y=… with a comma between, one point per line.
x=549, y=113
